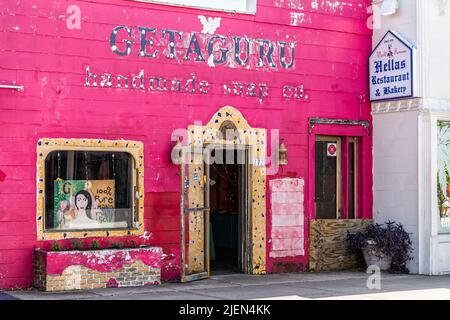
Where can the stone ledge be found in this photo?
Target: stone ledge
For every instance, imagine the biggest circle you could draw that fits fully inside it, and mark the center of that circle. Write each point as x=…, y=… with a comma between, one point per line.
x=415, y=104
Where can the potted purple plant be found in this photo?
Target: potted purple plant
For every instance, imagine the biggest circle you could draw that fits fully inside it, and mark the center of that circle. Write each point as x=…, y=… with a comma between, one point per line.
x=387, y=246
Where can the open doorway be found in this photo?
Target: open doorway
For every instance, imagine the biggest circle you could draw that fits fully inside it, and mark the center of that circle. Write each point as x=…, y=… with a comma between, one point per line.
x=195, y=193
x=228, y=211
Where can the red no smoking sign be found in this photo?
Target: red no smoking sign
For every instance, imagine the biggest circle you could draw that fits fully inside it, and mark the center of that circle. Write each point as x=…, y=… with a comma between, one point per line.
x=332, y=149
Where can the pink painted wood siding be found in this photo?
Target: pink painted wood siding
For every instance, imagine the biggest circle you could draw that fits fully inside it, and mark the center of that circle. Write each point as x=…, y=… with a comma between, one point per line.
x=41, y=53
x=288, y=234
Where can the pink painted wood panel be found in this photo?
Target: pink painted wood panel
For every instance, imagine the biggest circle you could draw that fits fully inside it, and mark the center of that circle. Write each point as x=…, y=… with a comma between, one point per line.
x=291, y=232
x=287, y=208
x=287, y=244
x=287, y=220
x=332, y=43
x=287, y=234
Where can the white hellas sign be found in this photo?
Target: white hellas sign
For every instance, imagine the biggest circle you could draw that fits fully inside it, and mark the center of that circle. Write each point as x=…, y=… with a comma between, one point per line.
x=391, y=69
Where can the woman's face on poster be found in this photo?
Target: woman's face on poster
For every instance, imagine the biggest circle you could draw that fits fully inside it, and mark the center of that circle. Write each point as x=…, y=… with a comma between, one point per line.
x=81, y=202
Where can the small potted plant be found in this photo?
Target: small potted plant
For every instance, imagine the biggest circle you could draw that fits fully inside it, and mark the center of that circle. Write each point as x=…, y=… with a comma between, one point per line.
x=387, y=246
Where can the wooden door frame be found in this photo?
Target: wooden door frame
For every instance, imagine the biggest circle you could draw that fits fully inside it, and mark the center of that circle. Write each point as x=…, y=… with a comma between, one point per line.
x=363, y=169
x=356, y=158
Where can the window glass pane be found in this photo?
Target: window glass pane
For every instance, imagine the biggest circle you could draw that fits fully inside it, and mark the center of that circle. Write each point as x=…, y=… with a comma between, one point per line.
x=443, y=176
x=88, y=190
x=325, y=180
x=351, y=180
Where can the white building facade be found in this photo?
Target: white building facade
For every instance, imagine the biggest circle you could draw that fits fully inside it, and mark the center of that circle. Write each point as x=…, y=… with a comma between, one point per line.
x=412, y=136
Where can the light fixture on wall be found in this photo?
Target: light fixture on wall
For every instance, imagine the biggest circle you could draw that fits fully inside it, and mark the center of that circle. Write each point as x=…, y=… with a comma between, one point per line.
x=11, y=86
x=282, y=151
x=176, y=153
x=389, y=7
x=442, y=4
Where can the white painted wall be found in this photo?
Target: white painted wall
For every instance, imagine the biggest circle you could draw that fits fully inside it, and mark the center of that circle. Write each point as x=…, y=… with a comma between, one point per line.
x=396, y=172
x=437, y=49
x=404, y=20
x=405, y=134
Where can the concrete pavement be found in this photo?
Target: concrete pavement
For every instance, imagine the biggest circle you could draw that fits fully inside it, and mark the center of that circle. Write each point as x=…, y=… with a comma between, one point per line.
x=332, y=285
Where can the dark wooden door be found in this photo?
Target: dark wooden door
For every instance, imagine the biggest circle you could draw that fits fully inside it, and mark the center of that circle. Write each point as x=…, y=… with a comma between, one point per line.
x=327, y=177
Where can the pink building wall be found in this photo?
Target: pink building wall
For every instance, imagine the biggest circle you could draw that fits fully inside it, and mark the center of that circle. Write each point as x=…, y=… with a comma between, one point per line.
x=332, y=43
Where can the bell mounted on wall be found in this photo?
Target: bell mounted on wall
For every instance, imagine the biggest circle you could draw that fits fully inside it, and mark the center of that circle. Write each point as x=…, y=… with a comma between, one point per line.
x=282, y=151
x=176, y=153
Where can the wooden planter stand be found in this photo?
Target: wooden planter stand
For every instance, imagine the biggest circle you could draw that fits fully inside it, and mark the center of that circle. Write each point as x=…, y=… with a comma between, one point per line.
x=82, y=270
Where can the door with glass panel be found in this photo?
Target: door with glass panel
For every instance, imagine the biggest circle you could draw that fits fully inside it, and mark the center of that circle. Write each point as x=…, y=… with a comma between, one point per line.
x=327, y=162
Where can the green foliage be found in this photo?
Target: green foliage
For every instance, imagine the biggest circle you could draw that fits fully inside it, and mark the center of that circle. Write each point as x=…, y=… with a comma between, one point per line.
x=95, y=245
x=447, y=174
x=56, y=246
x=78, y=245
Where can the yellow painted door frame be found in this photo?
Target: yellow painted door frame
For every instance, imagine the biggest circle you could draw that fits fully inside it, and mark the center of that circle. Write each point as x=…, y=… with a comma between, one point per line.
x=195, y=230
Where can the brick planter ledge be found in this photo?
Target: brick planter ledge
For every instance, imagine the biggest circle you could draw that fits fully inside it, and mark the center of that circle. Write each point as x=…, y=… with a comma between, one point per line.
x=94, y=269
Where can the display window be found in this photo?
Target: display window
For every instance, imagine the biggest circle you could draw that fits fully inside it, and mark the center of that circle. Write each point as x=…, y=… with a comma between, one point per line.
x=90, y=186
x=243, y=6
x=443, y=175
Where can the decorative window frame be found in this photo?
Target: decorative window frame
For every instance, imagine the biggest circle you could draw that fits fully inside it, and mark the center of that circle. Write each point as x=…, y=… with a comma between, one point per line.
x=250, y=5
x=255, y=139
x=47, y=145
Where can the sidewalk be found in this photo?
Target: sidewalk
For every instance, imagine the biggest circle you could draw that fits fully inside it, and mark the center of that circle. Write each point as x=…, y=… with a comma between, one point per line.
x=335, y=285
